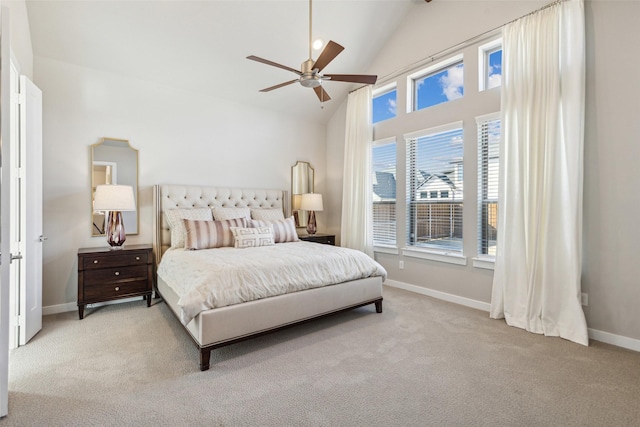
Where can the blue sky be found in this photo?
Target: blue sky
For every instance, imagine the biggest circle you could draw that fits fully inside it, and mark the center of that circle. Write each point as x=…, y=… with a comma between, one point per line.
x=437, y=88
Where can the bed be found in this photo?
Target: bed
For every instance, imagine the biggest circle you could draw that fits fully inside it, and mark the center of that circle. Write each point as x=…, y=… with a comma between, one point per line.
x=213, y=326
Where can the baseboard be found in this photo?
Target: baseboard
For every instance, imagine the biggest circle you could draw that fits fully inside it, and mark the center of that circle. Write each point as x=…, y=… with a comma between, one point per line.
x=467, y=302
x=72, y=306
x=59, y=308
x=613, y=339
x=594, y=334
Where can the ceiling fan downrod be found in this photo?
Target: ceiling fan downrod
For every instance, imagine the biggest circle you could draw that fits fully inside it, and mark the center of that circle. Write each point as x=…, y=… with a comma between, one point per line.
x=310, y=29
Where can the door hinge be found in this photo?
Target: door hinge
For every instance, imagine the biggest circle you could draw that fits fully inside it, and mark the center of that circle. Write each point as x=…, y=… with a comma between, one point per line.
x=17, y=321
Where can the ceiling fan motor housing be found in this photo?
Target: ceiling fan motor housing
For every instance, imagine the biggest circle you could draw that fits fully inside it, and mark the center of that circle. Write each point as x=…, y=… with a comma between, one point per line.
x=309, y=77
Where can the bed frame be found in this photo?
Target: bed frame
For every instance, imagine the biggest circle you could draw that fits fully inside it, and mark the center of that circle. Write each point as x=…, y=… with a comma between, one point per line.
x=223, y=326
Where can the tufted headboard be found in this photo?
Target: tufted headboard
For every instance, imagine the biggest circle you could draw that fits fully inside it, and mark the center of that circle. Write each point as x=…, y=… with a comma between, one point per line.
x=191, y=196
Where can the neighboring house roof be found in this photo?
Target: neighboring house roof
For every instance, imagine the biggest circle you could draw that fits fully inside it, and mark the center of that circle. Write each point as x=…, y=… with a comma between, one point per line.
x=428, y=177
x=385, y=186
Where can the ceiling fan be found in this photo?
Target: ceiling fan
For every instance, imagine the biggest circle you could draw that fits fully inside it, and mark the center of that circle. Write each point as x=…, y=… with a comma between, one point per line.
x=309, y=74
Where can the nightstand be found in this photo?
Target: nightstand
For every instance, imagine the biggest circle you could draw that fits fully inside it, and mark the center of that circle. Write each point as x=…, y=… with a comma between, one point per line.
x=325, y=239
x=105, y=274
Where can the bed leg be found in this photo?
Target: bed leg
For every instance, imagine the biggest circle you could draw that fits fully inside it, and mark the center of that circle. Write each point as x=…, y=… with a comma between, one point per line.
x=205, y=356
x=378, y=306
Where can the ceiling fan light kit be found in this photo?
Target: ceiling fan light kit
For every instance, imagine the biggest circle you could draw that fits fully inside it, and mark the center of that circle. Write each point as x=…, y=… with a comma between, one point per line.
x=309, y=75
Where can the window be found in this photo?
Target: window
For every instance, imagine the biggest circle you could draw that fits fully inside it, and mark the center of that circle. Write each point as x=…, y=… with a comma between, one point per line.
x=490, y=66
x=440, y=83
x=384, y=103
x=488, y=172
x=384, y=192
x=434, y=166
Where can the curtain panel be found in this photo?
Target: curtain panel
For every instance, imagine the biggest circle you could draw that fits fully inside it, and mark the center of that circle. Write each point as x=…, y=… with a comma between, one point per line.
x=538, y=266
x=357, y=212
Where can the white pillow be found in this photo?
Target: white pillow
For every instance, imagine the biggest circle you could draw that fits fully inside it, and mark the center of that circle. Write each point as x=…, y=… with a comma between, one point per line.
x=267, y=214
x=284, y=230
x=252, y=237
x=175, y=217
x=220, y=214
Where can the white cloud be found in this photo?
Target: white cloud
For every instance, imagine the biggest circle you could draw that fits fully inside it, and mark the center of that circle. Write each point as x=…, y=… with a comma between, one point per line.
x=392, y=106
x=495, y=80
x=452, y=82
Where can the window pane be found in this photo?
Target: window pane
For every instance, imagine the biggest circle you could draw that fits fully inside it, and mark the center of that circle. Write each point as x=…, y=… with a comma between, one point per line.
x=384, y=106
x=384, y=194
x=488, y=168
x=494, y=69
x=439, y=87
x=436, y=170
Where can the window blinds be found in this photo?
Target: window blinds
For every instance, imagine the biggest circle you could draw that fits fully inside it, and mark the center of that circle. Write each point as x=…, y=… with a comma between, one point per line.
x=435, y=187
x=384, y=192
x=488, y=168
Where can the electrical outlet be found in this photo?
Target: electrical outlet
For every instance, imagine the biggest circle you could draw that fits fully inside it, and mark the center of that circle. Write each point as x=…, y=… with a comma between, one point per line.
x=585, y=299
x=401, y=265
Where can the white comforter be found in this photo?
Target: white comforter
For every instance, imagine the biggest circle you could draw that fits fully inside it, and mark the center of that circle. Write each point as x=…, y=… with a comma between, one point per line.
x=219, y=277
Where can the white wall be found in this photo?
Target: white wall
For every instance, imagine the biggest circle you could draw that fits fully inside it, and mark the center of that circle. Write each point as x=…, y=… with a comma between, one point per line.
x=20, y=35
x=182, y=138
x=611, y=233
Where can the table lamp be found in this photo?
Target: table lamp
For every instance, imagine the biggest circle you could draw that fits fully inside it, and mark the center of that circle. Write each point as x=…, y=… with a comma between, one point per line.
x=311, y=202
x=114, y=199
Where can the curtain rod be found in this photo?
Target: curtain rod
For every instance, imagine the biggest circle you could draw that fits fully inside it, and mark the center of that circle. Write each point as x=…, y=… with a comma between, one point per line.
x=458, y=46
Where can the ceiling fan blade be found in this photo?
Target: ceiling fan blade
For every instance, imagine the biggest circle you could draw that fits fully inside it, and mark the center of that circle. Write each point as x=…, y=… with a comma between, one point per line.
x=330, y=51
x=323, y=96
x=278, y=86
x=352, y=78
x=273, y=64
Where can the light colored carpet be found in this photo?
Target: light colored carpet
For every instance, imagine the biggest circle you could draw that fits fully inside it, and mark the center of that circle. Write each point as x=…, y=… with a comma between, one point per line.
x=422, y=362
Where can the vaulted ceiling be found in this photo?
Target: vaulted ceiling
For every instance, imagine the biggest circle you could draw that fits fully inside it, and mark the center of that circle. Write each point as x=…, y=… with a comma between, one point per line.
x=202, y=46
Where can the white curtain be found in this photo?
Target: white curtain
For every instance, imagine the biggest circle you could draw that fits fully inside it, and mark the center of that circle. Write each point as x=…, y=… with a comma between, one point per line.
x=536, y=282
x=357, y=216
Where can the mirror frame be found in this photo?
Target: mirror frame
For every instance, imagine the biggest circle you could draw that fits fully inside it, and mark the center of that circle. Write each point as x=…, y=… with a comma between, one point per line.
x=299, y=215
x=126, y=144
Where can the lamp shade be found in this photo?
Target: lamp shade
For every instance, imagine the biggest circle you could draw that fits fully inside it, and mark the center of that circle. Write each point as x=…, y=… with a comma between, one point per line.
x=311, y=202
x=114, y=198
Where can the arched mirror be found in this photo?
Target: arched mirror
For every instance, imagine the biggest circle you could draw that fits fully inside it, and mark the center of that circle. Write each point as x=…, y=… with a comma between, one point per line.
x=114, y=161
x=301, y=183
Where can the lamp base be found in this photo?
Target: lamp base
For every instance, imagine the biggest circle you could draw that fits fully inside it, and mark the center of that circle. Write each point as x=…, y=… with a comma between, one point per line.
x=311, y=224
x=115, y=230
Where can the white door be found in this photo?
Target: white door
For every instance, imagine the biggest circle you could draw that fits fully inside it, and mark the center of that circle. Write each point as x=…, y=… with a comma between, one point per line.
x=5, y=210
x=30, y=297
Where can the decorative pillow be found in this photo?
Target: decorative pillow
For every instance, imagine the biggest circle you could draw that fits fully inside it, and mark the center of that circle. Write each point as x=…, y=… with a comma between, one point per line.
x=267, y=214
x=284, y=230
x=175, y=217
x=210, y=234
x=252, y=237
x=220, y=214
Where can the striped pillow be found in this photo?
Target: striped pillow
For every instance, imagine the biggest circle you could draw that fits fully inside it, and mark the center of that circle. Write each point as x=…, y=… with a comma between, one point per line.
x=252, y=237
x=284, y=230
x=210, y=234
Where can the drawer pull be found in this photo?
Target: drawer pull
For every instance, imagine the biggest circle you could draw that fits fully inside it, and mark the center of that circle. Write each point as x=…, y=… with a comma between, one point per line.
x=137, y=258
x=117, y=273
x=95, y=261
x=117, y=288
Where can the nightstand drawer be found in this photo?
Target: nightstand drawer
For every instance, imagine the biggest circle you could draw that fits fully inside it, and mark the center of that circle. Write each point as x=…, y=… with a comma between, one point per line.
x=114, y=275
x=325, y=239
x=105, y=274
x=109, y=260
x=114, y=290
